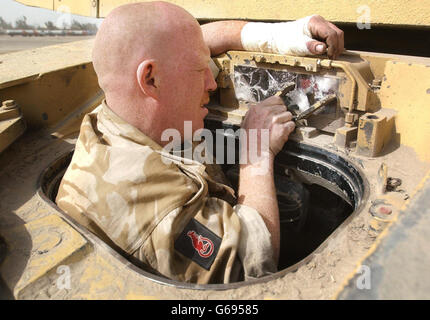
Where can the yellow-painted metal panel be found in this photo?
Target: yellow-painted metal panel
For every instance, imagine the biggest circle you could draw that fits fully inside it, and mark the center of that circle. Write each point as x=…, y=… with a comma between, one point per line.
x=49, y=234
x=406, y=89
x=26, y=65
x=10, y=130
x=50, y=82
x=400, y=12
x=47, y=4
x=409, y=12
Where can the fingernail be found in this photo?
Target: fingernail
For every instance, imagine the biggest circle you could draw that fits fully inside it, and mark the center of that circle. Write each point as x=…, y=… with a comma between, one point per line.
x=320, y=48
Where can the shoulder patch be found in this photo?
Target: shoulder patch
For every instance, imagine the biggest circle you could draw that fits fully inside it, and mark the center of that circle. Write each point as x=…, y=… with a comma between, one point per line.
x=198, y=243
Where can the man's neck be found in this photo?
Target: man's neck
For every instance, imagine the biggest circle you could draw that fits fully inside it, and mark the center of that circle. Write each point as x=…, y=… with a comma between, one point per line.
x=138, y=113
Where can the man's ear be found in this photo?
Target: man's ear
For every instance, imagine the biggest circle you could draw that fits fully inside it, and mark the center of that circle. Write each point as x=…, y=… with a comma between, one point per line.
x=146, y=78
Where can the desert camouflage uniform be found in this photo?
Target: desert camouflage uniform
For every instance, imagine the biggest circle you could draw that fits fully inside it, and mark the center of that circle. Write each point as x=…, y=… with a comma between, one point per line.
x=119, y=188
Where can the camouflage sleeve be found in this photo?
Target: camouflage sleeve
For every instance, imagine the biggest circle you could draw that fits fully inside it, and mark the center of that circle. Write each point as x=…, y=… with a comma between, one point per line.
x=210, y=242
x=255, y=247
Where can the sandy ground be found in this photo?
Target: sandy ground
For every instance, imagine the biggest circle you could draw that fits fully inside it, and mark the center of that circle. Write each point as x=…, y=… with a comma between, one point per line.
x=17, y=43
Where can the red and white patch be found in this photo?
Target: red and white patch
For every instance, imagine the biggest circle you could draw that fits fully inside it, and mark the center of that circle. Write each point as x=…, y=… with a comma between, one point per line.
x=198, y=243
x=202, y=245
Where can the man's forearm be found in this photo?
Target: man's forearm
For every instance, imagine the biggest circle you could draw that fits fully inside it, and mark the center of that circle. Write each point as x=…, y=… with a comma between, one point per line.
x=306, y=36
x=258, y=191
x=222, y=36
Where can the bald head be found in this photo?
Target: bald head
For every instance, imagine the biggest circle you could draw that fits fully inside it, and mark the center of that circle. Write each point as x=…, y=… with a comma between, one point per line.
x=135, y=32
x=152, y=63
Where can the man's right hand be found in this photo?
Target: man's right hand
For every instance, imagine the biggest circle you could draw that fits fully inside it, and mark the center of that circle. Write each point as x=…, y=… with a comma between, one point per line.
x=273, y=115
x=256, y=189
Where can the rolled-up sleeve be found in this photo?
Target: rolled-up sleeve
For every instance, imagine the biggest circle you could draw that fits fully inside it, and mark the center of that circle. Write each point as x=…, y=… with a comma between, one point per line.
x=255, y=247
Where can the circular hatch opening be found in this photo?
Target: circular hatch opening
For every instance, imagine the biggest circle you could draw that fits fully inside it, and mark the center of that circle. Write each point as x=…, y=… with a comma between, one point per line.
x=318, y=192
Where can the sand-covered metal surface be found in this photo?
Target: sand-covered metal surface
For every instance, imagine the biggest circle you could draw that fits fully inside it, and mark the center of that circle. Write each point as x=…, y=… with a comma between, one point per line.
x=97, y=271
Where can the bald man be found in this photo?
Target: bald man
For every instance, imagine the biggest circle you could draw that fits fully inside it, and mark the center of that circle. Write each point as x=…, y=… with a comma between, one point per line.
x=179, y=218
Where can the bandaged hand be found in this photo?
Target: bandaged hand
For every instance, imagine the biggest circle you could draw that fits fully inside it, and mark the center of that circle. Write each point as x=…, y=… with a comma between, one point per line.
x=306, y=36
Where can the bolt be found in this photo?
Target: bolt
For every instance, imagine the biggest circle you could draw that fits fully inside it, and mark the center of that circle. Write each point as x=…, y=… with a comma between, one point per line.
x=308, y=67
x=9, y=104
x=350, y=118
x=393, y=183
x=377, y=82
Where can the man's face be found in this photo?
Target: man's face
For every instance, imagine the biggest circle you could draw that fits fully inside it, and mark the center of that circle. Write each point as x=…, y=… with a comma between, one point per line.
x=189, y=81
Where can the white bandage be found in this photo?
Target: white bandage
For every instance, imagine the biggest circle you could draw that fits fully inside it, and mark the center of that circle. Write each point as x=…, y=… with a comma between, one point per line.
x=282, y=38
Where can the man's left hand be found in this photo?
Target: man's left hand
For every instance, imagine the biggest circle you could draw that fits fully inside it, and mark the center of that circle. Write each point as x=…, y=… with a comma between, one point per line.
x=332, y=38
